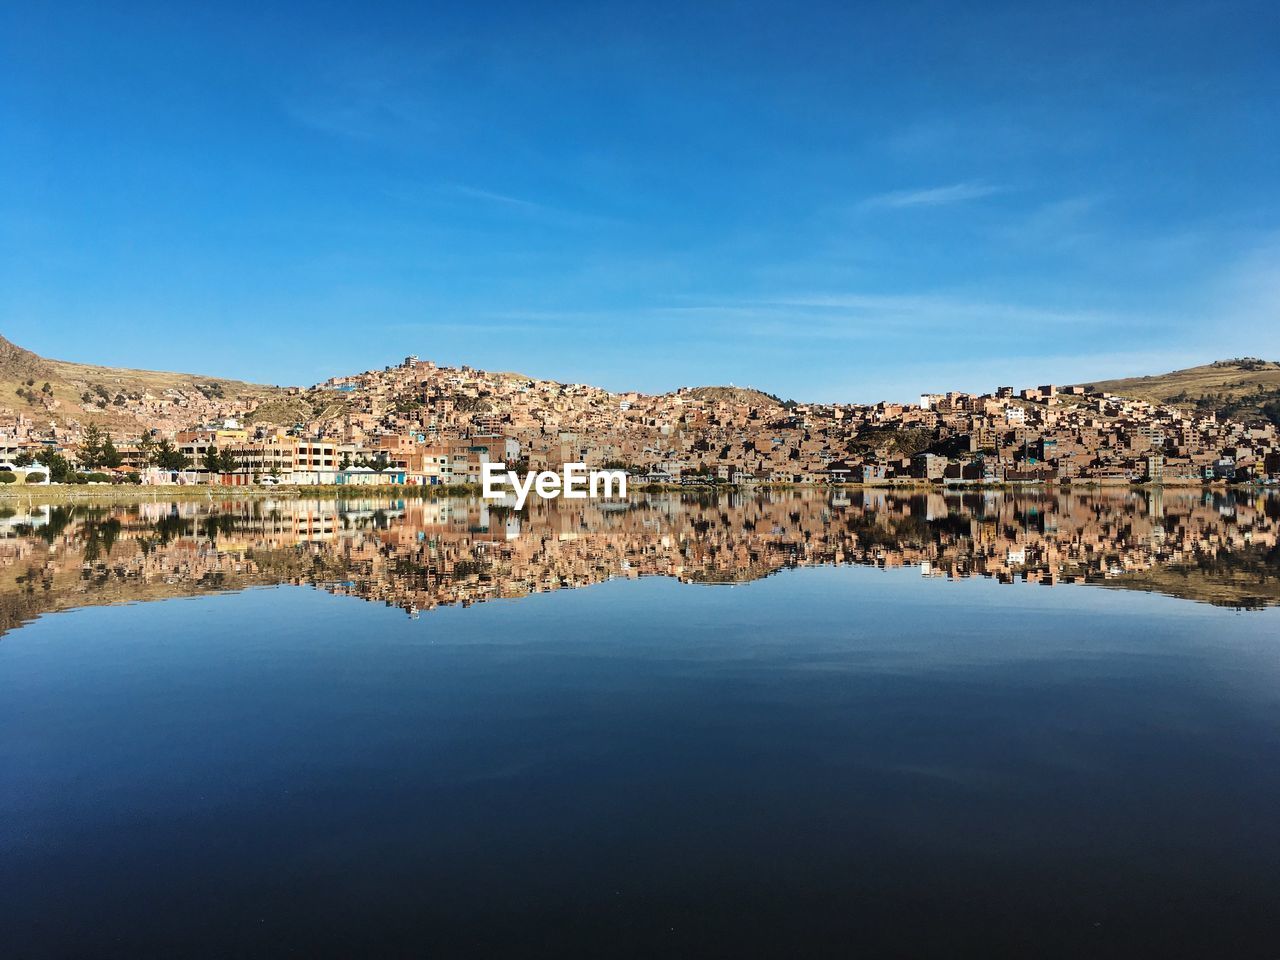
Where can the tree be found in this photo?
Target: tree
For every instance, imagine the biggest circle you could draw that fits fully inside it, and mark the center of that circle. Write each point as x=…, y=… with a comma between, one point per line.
x=147, y=447
x=59, y=467
x=91, y=446
x=229, y=462
x=345, y=462
x=380, y=462
x=212, y=461
x=110, y=455
x=24, y=459
x=167, y=458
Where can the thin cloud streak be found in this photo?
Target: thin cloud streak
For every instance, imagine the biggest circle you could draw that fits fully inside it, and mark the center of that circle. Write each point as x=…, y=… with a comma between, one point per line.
x=938, y=311
x=491, y=196
x=463, y=195
x=934, y=196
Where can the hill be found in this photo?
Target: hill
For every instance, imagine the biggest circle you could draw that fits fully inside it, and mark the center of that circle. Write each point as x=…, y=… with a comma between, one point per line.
x=743, y=395
x=119, y=399
x=1244, y=388
x=125, y=401
x=19, y=364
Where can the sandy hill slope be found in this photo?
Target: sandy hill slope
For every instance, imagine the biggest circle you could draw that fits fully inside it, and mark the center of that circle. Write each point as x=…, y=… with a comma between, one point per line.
x=120, y=399
x=18, y=364
x=1243, y=388
x=1232, y=377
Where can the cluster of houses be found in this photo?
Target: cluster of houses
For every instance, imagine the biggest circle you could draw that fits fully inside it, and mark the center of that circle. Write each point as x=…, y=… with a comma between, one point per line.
x=419, y=423
x=277, y=454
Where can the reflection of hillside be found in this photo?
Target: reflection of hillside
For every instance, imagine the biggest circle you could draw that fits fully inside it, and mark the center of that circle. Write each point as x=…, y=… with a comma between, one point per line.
x=421, y=554
x=1246, y=579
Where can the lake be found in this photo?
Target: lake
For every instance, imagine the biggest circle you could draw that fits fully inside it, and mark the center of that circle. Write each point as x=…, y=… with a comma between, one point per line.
x=795, y=723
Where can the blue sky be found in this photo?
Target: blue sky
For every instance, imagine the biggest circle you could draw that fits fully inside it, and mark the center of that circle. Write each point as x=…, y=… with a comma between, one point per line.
x=827, y=201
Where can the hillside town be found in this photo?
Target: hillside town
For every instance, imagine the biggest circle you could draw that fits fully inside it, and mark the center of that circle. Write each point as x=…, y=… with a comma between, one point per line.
x=417, y=423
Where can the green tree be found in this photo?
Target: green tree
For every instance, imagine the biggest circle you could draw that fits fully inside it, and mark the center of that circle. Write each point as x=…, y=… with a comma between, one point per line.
x=110, y=455
x=24, y=459
x=212, y=461
x=229, y=462
x=58, y=466
x=167, y=458
x=147, y=447
x=91, y=446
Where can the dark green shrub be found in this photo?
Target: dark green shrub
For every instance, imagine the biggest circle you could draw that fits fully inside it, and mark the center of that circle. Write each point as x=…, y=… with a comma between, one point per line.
x=37, y=477
x=8, y=476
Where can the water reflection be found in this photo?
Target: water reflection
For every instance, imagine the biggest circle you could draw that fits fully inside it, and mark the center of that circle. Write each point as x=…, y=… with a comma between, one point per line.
x=419, y=554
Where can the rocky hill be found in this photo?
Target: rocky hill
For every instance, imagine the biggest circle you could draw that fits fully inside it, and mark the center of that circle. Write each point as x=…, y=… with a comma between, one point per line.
x=742, y=395
x=18, y=364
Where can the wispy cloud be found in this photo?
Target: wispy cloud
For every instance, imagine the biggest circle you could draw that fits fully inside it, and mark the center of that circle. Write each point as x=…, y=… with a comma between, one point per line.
x=935, y=196
x=1240, y=309
x=851, y=317
x=497, y=323
x=937, y=310
x=498, y=204
x=491, y=196
x=370, y=108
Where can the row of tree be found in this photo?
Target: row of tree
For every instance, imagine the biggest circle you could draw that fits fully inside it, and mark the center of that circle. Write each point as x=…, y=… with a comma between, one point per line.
x=162, y=454
x=97, y=449
x=219, y=462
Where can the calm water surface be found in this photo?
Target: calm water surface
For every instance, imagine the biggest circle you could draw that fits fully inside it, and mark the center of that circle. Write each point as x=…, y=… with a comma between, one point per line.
x=791, y=743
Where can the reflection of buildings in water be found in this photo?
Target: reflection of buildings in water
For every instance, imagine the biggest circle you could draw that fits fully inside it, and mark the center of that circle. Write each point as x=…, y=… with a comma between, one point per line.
x=419, y=554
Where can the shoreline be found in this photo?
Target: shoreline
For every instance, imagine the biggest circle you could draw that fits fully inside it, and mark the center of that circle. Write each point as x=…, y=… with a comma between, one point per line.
x=126, y=493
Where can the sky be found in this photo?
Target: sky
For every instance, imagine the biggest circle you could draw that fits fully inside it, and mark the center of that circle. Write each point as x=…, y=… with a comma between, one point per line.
x=832, y=202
